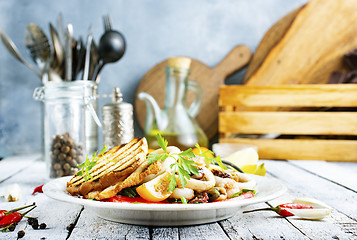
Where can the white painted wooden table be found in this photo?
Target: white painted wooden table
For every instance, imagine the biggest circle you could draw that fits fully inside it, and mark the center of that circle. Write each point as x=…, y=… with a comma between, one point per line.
x=331, y=182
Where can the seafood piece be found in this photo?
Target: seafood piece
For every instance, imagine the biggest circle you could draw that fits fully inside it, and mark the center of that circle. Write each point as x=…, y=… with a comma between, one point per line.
x=187, y=193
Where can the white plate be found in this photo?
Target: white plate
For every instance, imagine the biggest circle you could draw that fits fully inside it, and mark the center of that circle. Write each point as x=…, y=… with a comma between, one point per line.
x=166, y=214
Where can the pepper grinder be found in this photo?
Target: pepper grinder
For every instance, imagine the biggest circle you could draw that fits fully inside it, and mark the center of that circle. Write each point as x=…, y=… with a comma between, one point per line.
x=118, y=126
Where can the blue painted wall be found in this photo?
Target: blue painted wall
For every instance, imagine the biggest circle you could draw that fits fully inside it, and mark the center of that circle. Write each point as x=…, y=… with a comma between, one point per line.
x=203, y=29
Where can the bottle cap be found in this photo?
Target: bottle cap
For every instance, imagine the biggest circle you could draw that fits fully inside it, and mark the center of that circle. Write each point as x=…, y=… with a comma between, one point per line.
x=179, y=62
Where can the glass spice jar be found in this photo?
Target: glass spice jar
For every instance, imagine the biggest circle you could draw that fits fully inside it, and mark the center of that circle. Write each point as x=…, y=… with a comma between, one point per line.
x=68, y=116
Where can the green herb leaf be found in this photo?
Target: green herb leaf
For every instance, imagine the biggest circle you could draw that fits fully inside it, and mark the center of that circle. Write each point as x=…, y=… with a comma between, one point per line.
x=172, y=184
x=183, y=200
x=162, y=142
x=183, y=166
x=156, y=157
x=187, y=154
x=218, y=160
x=89, y=164
x=209, y=160
x=129, y=192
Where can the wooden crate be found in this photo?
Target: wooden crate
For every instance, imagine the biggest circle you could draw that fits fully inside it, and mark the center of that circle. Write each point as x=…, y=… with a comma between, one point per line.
x=260, y=110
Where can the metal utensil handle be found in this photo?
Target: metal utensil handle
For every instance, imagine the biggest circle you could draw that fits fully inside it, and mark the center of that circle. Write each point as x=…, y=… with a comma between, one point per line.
x=89, y=106
x=69, y=56
x=87, y=56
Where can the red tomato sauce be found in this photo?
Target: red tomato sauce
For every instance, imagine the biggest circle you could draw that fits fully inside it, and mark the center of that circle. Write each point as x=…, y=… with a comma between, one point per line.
x=120, y=198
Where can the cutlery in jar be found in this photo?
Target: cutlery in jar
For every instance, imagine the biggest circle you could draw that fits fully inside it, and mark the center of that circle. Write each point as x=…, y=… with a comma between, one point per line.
x=39, y=47
x=11, y=47
x=87, y=54
x=58, y=51
x=111, y=47
x=68, y=52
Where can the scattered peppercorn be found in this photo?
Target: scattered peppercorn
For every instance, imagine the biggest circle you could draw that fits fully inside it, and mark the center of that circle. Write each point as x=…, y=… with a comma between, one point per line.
x=43, y=225
x=12, y=227
x=21, y=234
x=31, y=220
x=35, y=225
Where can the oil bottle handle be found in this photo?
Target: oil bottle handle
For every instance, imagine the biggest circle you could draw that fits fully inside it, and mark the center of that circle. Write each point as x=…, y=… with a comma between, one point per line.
x=197, y=102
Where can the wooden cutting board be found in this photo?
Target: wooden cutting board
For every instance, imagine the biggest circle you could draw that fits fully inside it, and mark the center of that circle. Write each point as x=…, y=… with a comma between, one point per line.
x=210, y=79
x=306, y=45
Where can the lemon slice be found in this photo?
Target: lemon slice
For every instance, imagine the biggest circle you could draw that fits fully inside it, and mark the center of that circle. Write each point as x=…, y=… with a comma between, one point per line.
x=243, y=157
x=156, y=189
x=261, y=171
x=247, y=160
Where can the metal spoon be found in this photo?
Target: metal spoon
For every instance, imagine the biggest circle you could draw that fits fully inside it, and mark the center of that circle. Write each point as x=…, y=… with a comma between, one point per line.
x=94, y=59
x=11, y=47
x=111, y=47
x=69, y=53
x=58, y=50
x=79, y=55
x=39, y=46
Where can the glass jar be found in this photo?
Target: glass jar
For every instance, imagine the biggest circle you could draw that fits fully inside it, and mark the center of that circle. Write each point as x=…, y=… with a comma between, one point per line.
x=175, y=122
x=68, y=116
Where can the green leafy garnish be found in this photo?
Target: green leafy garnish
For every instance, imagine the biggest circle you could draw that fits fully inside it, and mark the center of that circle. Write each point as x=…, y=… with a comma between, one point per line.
x=237, y=194
x=129, y=192
x=89, y=164
x=162, y=142
x=183, y=200
x=210, y=160
x=184, y=166
x=156, y=157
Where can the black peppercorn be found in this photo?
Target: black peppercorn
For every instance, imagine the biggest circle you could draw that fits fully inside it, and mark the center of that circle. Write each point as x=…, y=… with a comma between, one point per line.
x=21, y=234
x=12, y=227
x=43, y=225
x=35, y=225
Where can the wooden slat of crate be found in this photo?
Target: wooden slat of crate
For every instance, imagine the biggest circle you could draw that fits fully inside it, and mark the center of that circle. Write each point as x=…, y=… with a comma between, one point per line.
x=257, y=110
x=310, y=95
x=317, y=123
x=308, y=149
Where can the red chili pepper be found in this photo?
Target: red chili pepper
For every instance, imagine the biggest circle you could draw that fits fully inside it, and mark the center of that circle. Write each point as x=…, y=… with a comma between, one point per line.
x=38, y=189
x=3, y=213
x=282, y=208
x=13, y=217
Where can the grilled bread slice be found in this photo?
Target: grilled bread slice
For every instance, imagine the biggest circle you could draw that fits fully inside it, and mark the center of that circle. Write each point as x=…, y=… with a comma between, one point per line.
x=133, y=179
x=112, y=168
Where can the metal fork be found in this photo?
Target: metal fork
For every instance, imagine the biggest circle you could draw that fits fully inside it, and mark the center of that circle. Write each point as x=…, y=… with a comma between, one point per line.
x=107, y=23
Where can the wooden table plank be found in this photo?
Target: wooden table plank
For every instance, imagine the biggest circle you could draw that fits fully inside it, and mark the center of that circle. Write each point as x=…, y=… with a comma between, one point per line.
x=212, y=231
x=57, y=215
x=342, y=223
x=164, y=233
x=304, y=179
x=89, y=226
x=12, y=165
x=346, y=176
x=260, y=226
x=323, y=229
